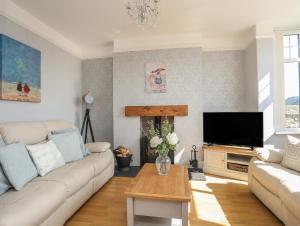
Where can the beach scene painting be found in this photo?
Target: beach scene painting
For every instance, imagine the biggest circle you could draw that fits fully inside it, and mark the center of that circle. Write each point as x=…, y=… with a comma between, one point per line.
x=20, y=71
x=156, y=81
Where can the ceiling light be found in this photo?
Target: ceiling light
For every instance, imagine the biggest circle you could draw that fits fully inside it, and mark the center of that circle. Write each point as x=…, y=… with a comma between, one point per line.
x=143, y=12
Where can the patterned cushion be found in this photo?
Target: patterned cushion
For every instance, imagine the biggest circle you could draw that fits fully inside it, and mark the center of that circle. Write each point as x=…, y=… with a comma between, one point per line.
x=17, y=165
x=291, y=157
x=46, y=157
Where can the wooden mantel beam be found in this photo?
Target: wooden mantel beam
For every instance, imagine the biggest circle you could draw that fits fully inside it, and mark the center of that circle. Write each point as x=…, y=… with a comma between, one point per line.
x=161, y=110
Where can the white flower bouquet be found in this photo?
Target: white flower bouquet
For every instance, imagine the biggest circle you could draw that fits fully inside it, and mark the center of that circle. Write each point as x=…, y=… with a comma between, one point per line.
x=165, y=141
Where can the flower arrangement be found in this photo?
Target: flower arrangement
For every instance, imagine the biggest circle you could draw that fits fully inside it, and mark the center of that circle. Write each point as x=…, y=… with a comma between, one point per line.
x=165, y=141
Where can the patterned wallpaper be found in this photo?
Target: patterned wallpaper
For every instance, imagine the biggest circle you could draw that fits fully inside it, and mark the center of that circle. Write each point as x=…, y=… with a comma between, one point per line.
x=206, y=81
x=223, y=74
x=97, y=77
x=184, y=86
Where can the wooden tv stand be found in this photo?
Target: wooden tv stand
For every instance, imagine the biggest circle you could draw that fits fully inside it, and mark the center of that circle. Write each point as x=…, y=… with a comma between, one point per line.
x=227, y=161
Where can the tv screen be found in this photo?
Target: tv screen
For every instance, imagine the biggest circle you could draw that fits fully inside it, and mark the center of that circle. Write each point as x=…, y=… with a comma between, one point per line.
x=232, y=128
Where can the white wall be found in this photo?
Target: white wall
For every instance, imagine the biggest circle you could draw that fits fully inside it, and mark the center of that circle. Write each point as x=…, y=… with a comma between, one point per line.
x=184, y=86
x=260, y=86
x=265, y=73
x=251, y=84
x=60, y=81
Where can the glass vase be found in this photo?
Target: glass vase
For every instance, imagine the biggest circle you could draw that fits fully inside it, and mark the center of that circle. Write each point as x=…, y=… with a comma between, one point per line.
x=163, y=164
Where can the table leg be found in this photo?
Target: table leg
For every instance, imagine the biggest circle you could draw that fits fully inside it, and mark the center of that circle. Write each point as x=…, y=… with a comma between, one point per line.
x=185, y=213
x=130, y=212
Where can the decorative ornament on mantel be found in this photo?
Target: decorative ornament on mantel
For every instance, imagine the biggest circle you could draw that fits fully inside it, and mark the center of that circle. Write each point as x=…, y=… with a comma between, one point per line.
x=143, y=12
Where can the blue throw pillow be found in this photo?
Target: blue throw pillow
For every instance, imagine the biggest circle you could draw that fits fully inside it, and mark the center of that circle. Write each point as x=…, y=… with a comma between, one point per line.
x=4, y=183
x=2, y=142
x=69, y=146
x=85, y=151
x=17, y=165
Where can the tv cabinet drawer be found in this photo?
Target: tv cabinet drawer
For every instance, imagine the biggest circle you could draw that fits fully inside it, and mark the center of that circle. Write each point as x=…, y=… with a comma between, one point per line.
x=215, y=159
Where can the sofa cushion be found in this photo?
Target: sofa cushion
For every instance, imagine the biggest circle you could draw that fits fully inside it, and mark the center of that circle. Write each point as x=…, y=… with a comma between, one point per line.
x=32, y=205
x=57, y=125
x=291, y=157
x=290, y=194
x=100, y=161
x=73, y=175
x=271, y=175
x=17, y=165
x=23, y=132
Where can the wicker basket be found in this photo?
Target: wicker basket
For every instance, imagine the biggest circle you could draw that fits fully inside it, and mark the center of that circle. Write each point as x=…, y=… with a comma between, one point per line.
x=237, y=167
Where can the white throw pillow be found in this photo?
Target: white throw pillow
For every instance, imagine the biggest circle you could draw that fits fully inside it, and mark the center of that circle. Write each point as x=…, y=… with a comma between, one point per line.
x=272, y=155
x=291, y=157
x=46, y=157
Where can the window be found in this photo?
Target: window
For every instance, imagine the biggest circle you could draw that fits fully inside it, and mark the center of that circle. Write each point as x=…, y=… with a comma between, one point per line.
x=291, y=50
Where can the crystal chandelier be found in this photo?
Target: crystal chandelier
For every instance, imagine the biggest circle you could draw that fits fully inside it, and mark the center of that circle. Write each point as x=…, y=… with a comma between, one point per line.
x=144, y=12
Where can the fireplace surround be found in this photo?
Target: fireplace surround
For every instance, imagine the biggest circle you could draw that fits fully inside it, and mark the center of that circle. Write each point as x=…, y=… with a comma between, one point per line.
x=153, y=116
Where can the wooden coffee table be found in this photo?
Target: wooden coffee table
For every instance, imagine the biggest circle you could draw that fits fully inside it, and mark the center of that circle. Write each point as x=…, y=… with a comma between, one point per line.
x=152, y=195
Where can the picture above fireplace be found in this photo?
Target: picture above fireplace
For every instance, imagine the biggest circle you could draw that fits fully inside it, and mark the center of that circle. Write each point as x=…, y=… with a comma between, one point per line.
x=156, y=80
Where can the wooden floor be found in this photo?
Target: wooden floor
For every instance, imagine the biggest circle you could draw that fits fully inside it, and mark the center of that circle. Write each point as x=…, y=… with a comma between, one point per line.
x=216, y=202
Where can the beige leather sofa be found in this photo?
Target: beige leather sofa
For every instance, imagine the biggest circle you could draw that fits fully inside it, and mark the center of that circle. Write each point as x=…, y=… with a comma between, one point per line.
x=278, y=188
x=52, y=199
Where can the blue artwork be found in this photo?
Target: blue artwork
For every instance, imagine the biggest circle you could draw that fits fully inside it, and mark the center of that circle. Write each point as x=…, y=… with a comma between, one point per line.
x=20, y=71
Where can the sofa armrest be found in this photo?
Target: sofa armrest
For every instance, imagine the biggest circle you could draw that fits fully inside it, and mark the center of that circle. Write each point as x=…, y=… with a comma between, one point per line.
x=272, y=155
x=98, y=147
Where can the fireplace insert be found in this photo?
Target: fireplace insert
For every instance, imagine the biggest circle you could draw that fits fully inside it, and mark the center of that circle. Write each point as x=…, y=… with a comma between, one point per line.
x=148, y=154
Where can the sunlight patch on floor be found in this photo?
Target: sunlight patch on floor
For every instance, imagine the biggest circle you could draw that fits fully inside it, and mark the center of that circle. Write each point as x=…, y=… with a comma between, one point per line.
x=205, y=193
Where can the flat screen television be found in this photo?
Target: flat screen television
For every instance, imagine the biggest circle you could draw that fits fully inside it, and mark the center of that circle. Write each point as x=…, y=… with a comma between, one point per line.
x=233, y=128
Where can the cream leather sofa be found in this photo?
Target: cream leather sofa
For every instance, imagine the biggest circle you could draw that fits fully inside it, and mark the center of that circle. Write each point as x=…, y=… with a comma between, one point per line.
x=52, y=199
x=278, y=188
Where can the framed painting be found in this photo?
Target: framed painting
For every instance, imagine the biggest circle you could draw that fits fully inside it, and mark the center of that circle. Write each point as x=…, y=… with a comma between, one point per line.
x=20, y=71
x=156, y=81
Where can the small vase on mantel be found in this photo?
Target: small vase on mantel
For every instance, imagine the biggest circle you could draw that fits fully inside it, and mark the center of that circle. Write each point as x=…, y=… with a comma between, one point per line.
x=163, y=164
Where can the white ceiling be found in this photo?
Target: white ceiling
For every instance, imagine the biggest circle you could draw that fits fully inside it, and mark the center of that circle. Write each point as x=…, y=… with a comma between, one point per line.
x=96, y=23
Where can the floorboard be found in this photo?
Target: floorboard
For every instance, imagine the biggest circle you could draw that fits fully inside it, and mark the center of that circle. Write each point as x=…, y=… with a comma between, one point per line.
x=216, y=202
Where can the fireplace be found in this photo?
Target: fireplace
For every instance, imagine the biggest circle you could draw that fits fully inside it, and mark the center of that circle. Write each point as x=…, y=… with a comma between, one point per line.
x=153, y=116
x=148, y=154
